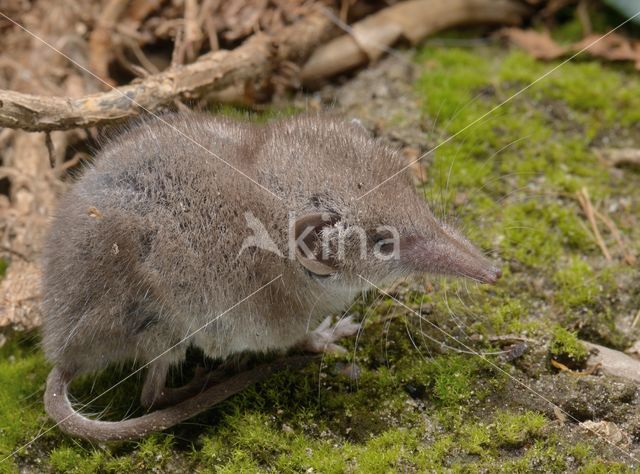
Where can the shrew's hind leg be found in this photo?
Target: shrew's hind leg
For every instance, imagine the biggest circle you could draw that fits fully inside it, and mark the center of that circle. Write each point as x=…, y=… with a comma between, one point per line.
x=154, y=383
x=156, y=394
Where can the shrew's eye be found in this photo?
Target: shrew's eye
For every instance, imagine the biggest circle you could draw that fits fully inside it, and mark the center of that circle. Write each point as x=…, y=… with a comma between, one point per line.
x=383, y=242
x=381, y=235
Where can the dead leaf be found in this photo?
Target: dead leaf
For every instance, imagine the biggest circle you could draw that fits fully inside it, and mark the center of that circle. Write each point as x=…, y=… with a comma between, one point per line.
x=612, y=47
x=608, y=430
x=539, y=44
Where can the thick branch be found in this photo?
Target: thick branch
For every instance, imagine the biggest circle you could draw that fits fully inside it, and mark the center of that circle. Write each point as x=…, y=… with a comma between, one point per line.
x=255, y=59
x=413, y=20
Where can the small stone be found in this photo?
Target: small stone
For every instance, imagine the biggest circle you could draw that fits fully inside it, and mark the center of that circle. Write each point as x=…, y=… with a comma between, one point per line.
x=415, y=390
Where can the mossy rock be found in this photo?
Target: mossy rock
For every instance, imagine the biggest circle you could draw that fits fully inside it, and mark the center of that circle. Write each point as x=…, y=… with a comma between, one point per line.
x=566, y=348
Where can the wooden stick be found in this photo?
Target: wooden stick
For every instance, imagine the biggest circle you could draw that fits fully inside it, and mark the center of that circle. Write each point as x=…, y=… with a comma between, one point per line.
x=413, y=20
x=253, y=60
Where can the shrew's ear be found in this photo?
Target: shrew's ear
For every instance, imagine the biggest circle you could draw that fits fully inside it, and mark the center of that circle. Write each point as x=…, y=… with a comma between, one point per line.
x=310, y=248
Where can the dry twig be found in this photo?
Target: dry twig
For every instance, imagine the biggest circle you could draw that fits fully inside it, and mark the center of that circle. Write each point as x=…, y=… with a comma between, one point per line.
x=587, y=208
x=100, y=44
x=255, y=59
x=590, y=370
x=629, y=257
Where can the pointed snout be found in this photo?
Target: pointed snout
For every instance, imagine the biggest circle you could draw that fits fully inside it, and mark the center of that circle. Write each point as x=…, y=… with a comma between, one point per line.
x=448, y=255
x=491, y=275
x=469, y=263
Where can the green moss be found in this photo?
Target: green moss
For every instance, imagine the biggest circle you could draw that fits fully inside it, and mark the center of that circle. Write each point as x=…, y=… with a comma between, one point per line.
x=537, y=233
x=505, y=430
x=3, y=267
x=435, y=454
x=598, y=466
x=476, y=439
x=569, y=31
x=447, y=84
x=591, y=90
x=392, y=451
x=22, y=370
x=506, y=317
x=514, y=430
x=566, y=348
x=453, y=379
x=71, y=460
x=240, y=461
x=542, y=456
x=577, y=285
x=582, y=452
x=155, y=450
x=246, y=113
x=65, y=459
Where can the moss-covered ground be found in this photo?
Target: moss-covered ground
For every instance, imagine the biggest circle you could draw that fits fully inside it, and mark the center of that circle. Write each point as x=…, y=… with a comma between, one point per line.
x=424, y=401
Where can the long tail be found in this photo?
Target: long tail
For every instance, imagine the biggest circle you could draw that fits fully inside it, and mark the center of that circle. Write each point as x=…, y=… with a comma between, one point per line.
x=59, y=408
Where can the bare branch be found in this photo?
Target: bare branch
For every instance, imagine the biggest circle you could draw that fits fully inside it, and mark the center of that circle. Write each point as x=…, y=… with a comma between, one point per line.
x=254, y=60
x=412, y=20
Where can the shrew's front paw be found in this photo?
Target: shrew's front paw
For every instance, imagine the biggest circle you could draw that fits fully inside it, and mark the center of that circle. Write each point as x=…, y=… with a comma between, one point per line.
x=323, y=339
